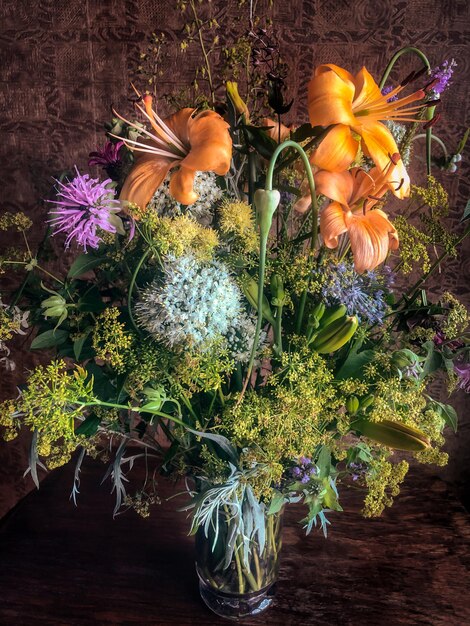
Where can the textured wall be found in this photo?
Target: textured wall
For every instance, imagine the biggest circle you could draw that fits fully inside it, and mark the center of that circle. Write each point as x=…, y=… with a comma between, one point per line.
x=63, y=63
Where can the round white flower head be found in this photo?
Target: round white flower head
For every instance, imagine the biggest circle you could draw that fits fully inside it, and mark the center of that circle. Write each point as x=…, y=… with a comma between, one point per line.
x=205, y=184
x=194, y=304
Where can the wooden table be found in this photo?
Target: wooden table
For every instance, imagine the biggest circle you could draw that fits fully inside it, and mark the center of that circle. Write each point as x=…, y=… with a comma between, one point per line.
x=72, y=566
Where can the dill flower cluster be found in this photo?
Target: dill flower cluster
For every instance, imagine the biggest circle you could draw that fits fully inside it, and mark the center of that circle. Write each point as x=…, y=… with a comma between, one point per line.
x=383, y=481
x=236, y=222
x=111, y=342
x=182, y=234
x=49, y=405
x=193, y=304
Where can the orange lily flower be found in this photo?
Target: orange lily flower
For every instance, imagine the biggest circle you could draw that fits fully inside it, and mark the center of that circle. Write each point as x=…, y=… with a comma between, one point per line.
x=370, y=233
x=276, y=130
x=355, y=104
x=195, y=142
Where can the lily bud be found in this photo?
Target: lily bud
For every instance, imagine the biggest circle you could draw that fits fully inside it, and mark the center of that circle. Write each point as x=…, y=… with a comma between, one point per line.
x=352, y=404
x=394, y=435
x=236, y=100
x=266, y=202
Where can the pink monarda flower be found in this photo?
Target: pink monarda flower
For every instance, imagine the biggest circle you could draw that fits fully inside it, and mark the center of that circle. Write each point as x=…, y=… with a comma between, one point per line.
x=83, y=207
x=463, y=372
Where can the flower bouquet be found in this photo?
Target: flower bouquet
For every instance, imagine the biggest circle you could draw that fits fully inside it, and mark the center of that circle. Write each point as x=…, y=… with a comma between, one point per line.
x=238, y=310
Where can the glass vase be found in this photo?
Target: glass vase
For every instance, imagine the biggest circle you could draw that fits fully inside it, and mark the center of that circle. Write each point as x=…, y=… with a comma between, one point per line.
x=239, y=581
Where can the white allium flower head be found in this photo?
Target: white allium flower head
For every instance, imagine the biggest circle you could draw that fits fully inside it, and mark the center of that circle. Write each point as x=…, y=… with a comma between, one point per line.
x=205, y=184
x=194, y=303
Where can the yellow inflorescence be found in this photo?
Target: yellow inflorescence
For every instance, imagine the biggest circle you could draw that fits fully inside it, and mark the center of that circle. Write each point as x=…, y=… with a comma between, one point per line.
x=181, y=235
x=111, y=342
x=237, y=223
x=383, y=482
x=434, y=195
x=457, y=317
x=19, y=221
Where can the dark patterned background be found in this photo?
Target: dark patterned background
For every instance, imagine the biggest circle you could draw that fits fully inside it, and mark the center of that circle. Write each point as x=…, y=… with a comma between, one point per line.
x=63, y=64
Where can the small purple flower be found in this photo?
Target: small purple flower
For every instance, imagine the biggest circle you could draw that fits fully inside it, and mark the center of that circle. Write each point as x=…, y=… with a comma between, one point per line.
x=84, y=205
x=107, y=155
x=463, y=372
x=442, y=75
x=387, y=89
x=358, y=470
x=304, y=470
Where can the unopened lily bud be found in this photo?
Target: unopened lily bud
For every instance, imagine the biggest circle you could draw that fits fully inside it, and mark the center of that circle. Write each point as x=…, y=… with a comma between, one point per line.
x=352, y=404
x=236, y=100
x=277, y=288
x=266, y=202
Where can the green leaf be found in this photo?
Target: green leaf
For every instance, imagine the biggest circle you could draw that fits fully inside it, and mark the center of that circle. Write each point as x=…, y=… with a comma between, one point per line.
x=78, y=343
x=91, y=301
x=305, y=131
x=223, y=443
x=466, y=211
x=433, y=360
x=276, y=503
x=354, y=365
x=324, y=462
x=89, y=426
x=447, y=413
x=49, y=339
x=260, y=141
x=84, y=263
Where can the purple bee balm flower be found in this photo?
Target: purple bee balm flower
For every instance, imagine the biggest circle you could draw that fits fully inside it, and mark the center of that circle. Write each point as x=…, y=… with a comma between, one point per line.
x=107, y=155
x=442, y=76
x=85, y=205
x=463, y=372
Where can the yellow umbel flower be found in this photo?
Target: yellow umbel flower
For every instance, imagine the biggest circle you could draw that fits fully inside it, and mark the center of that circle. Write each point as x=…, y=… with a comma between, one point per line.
x=236, y=222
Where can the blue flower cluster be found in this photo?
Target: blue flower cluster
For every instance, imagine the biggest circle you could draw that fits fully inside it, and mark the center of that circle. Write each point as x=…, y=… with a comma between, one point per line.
x=193, y=305
x=362, y=294
x=304, y=471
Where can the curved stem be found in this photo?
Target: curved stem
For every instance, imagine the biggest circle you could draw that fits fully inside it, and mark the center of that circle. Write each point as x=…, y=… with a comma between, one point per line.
x=264, y=232
x=386, y=74
x=395, y=58
x=437, y=139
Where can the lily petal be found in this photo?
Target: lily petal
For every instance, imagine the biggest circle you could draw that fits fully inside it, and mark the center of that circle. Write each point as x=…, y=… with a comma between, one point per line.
x=332, y=224
x=337, y=150
x=337, y=186
x=330, y=97
x=181, y=185
x=371, y=236
x=379, y=144
x=211, y=144
x=144, y=178
x=367, y=90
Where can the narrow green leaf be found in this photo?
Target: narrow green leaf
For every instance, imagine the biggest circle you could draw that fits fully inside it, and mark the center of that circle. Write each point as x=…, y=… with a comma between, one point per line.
x=324, y=462
x=84, y=263
x=49, y=339
x=223, y=443
x=78, y=343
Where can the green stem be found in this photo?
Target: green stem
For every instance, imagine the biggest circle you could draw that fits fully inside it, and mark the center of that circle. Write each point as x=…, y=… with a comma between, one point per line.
x=437, y=139
x=132, y=285
x=395, y=58
x=278, y=330
x=135, y=409
x=385, y=75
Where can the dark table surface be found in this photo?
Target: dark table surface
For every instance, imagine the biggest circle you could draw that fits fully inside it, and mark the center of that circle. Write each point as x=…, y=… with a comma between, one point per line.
x=71, y=566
